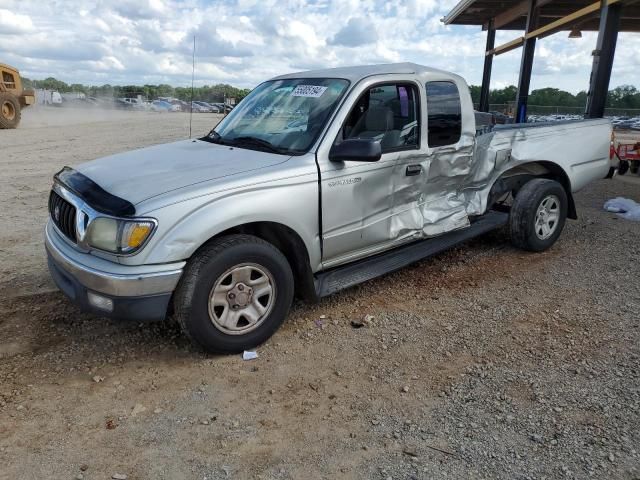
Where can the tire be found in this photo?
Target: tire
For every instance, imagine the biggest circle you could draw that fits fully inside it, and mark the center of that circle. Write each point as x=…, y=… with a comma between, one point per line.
x=238, y=266
x=9, y=111
x=610, y=173
x=623, y=167
x=538, y=197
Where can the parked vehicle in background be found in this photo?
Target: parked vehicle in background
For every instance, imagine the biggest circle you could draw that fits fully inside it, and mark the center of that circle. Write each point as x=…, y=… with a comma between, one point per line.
x=223, y=108
x=215, y=108
x=348, y=185
x=13, y=98
x=121, y=104
x=200, y=107
x=162, y=106
x=624, y=124
x=135, y=103
x=48, y=97
x=182, y=106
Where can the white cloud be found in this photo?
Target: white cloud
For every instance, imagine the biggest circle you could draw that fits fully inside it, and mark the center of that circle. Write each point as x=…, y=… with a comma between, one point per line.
x=14, y=23
x=244, y=42
x=357, y=32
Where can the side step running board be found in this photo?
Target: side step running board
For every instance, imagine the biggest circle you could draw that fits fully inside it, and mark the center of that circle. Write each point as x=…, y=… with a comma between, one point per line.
x=360, y=271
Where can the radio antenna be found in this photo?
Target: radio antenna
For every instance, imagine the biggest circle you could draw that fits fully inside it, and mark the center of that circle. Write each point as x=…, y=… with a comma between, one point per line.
x=193, y=74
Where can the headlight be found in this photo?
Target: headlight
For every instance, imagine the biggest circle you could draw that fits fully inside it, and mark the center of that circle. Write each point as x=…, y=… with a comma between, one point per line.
x=119, y=236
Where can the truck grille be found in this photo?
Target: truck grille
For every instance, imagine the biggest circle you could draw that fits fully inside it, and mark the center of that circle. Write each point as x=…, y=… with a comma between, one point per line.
x=63, y=215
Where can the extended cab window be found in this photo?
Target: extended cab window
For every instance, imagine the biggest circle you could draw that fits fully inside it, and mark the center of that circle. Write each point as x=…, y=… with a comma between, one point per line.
x=444, y=114
x=388, y=113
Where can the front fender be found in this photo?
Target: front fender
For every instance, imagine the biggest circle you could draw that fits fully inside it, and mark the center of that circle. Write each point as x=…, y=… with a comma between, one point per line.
x=191, y=223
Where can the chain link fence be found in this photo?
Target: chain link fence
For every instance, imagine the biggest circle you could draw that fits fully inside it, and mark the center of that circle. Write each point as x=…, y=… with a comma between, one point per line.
x=509, y=109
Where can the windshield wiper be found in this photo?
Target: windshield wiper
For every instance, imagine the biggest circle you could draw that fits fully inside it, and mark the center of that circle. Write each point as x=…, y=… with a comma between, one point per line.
x=257, y=142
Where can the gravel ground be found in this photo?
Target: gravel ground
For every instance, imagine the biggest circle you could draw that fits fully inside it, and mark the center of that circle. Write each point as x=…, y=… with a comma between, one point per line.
x=484, y=362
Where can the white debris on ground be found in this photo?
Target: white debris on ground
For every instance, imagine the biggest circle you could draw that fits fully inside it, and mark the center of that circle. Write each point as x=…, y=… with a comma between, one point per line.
x=624, y=207
x=249, y=355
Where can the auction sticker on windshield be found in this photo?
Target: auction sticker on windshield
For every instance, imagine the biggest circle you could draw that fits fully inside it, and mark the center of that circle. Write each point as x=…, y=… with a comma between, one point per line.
x=308, y=91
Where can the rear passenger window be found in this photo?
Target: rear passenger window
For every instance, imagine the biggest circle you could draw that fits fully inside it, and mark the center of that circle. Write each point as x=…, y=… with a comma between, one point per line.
x=444, y=113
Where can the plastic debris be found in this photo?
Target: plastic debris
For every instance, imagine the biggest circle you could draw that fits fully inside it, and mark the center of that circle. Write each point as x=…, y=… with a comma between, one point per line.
x=624, y=207
x=249, y=355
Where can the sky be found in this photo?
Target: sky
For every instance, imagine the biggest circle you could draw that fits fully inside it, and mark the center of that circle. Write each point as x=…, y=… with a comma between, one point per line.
x=243, y=42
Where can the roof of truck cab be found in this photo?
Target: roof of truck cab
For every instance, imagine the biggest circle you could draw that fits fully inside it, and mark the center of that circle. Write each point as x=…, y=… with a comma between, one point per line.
x=356, y=73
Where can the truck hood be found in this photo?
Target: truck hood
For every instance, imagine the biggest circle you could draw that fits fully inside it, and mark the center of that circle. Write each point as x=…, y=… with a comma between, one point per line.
x=139, y=175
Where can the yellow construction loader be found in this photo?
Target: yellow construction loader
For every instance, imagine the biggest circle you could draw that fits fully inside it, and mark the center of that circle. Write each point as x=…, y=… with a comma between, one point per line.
x=13, y=98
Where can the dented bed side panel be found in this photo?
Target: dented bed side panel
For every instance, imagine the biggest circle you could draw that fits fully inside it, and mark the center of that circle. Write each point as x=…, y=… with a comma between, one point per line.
x=580, y=148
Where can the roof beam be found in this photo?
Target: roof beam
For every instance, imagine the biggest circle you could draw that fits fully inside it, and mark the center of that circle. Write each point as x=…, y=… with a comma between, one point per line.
x=510, y=15
x=515, y=12
x=506, y=47
x=551, y=28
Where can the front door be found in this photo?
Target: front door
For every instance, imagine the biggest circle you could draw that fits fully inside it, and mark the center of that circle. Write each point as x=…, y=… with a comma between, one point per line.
x=359, y=214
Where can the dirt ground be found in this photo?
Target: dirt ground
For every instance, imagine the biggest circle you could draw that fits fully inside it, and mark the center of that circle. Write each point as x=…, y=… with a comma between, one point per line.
x=484, y=362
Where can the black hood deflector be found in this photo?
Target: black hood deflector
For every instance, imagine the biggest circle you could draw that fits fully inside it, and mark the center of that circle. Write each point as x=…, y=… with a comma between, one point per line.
x=93, y=194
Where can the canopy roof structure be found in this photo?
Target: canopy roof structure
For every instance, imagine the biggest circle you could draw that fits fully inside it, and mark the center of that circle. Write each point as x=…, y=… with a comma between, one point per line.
x=541, y=18
x=512, y=14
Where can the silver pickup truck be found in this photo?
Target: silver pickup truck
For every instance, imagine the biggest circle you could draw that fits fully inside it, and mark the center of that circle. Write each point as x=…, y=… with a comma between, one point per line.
x=315, y=182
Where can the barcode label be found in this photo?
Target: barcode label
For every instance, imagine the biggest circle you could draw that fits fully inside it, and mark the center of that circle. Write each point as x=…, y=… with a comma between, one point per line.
x=308, y=91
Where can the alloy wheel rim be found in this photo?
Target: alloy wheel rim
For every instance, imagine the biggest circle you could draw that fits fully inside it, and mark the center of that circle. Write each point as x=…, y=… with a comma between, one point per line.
x=547, y=217
x=8, y=111
x=242, y=298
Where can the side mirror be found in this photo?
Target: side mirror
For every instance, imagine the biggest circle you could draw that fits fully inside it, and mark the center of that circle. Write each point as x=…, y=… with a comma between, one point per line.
x=356, y=150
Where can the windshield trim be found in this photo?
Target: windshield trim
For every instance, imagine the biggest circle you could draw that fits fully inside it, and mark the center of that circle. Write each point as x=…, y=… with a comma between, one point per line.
x=289, y=152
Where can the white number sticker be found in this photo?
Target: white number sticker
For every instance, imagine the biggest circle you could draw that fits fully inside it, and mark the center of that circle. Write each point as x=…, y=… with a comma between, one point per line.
x=308, y=91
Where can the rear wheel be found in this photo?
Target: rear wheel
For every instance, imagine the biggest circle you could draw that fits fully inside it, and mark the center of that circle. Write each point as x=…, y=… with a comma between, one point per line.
x=234, y=294
x=538, y=215
x=9, y=111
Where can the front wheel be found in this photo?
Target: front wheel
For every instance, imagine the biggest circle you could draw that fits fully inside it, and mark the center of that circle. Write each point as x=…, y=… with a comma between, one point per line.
x=538, y=215
x=9, y=111
x=234, y=294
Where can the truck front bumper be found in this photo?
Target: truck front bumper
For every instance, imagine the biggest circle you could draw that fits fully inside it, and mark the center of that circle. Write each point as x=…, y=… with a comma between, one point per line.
x=140, y=293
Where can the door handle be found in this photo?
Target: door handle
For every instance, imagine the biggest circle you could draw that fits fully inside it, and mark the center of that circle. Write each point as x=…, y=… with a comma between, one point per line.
x=413, y=170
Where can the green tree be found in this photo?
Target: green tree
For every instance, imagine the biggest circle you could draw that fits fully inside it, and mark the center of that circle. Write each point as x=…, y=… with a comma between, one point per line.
x=623, y=97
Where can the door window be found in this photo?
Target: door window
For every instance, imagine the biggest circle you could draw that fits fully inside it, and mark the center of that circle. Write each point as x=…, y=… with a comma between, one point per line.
x=444, y=113
x=8, y=80
x=388, y=113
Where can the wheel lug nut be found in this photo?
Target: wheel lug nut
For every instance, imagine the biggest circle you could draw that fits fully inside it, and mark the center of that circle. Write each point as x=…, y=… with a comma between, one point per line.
x=240, y=287
x=232, y=295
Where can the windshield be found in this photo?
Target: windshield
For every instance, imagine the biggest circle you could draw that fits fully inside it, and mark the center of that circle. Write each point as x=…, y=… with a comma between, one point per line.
x=281, y=116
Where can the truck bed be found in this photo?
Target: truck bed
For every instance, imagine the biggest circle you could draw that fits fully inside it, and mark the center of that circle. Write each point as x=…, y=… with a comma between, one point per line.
x=579, y=147
x=515, y=126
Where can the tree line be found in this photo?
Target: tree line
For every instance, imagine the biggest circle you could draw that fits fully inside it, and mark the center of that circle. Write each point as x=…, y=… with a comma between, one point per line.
x=207, y=93
x=624, y=96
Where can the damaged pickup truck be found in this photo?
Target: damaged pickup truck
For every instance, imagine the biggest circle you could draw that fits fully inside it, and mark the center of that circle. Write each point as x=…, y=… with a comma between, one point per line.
x=315, y=182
